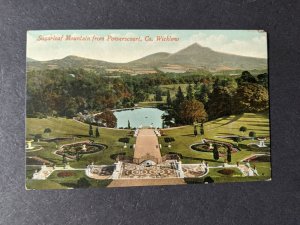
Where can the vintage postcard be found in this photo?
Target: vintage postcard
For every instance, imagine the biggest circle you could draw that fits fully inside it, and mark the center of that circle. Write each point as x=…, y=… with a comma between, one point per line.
x=120, y=108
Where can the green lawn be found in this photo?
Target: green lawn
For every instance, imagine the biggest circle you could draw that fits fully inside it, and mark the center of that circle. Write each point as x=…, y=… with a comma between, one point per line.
x=56, y=182
x=62, y=127
x=184, y=137
x=173, y=88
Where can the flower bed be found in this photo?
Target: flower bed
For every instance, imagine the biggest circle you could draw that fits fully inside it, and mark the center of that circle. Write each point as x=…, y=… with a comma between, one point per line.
x=65, y=174
x=226, y=171
x=70, y=150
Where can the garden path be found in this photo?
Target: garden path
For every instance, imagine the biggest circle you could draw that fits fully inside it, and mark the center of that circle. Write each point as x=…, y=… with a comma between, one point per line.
x=147, y=145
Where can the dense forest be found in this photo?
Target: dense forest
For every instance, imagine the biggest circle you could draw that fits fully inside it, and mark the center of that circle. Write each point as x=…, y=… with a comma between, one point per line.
x=67, y=92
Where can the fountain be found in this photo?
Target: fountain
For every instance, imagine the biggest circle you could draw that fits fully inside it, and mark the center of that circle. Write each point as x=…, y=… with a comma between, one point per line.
x=29, y=145
x=261, y=142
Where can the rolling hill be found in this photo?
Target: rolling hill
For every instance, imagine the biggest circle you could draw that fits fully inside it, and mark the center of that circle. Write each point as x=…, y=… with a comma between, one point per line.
x=192, y=57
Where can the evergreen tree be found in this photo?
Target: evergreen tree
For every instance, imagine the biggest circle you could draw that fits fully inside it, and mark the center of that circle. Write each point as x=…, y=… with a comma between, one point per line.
x=195, y=131
x=201, y=129
x=158, y=95
x=97, y=132
x=64, y=159
x=216, y=152
x=128, y=126
x=190, y=92
x=237, y=140
x=77, y=155
x=228, y=155
x=202, y=94
x=220, y=103
x=91, y=133
x=179, y=98
x=169, y=100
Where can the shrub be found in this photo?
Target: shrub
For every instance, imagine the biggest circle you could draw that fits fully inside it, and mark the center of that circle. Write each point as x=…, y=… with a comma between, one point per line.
x=243, y=129
x=47, y=130
x=37, y=137
x=124, y=140
x=252, y=134
x=169, y=139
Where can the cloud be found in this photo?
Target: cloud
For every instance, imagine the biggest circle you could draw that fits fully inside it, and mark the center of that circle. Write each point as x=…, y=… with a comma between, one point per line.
x=255, y=46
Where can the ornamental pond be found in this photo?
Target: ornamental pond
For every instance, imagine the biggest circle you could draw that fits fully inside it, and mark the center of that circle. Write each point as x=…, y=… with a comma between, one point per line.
x=145, y=117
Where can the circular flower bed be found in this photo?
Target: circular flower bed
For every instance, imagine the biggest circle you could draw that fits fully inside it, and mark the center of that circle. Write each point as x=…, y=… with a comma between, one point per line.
x=205, y=148
x=226, y=171
x=254, y=147
x=70, y=150
x=259, y=158
x=65, y=174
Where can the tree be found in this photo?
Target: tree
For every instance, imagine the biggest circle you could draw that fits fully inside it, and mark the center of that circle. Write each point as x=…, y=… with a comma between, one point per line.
x=97, y=132
x=77, y=154
x=169, y=100
x=219, y=103
x=195, y=131
x=190, y=92
x=128, y=126
x=91, y=133
x=243, y=129
x=228, y=155
x=191, y=111
x=251, y=98
x=158, y=95
x=246, y=77
x=201, y=131
x=202, y=94
x=64, y=159
x=179, y=98
x=216, y=152
x=108, y=118
x=237, y=140
x=263, y=79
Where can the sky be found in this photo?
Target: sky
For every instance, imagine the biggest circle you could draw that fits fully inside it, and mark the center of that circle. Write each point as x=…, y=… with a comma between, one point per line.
x=240, y=42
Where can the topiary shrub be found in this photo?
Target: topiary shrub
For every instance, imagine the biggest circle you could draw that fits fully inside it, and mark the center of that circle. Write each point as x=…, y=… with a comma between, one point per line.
x=252, y=134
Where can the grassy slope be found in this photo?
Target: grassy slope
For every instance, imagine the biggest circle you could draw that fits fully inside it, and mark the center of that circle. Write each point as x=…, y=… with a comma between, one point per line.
x=62, y=127
x=56, y=182
x=184, y=137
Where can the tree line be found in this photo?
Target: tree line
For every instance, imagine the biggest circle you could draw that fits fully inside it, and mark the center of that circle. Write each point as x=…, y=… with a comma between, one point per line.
x=67, y=92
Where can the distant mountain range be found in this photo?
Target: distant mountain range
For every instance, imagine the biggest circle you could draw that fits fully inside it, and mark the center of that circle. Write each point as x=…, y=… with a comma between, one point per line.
x=194, y=57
